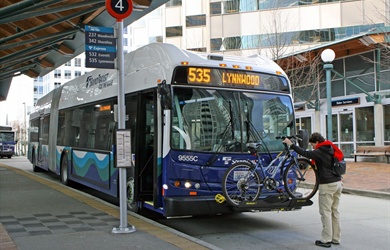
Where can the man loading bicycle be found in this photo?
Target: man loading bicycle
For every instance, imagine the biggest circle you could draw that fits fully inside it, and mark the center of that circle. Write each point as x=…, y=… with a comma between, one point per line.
x=329, y=189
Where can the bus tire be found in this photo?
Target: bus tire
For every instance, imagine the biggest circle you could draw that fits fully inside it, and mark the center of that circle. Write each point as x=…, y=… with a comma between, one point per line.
x=130, y=196
x=64, y=170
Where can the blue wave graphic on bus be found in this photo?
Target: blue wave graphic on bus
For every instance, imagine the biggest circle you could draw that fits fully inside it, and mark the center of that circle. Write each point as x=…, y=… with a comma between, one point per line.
x=58, y=158
x=85, y=163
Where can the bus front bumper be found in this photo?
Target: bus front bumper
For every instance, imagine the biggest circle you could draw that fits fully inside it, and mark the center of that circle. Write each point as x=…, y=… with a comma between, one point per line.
x=201, y=205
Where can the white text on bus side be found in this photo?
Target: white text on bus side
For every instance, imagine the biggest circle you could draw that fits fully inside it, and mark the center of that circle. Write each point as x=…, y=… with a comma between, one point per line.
x=187, y=158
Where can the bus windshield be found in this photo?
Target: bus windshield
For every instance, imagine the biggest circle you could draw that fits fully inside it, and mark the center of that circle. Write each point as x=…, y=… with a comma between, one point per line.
x=225, y=120
x=7, y=136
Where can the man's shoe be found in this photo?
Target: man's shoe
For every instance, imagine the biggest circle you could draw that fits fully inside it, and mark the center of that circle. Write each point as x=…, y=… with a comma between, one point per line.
x=335, y=243
x=322, y=244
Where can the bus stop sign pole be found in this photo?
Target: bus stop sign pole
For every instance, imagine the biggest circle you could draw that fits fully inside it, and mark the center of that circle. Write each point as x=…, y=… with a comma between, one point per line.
x=121, y=9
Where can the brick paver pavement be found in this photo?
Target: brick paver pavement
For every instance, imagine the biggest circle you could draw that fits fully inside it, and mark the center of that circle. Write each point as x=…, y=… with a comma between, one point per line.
x=371, y=176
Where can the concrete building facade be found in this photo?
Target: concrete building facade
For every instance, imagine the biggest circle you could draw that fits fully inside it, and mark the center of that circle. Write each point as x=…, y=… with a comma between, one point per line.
x=283, y=29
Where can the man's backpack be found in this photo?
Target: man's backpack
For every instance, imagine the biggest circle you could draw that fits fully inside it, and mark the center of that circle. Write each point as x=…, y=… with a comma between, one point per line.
x=339, y=168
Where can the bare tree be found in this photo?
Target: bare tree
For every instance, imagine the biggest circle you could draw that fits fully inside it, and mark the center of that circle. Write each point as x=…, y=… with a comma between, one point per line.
x=379, y=39
x=304, y=71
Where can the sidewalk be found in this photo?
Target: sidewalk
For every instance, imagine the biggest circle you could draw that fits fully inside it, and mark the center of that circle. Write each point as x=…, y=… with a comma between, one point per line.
x=367, y=178
x=36, y=213
x=39, y=214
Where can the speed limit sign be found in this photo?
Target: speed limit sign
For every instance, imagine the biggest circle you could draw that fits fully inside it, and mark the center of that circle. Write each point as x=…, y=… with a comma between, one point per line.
x=119, y=9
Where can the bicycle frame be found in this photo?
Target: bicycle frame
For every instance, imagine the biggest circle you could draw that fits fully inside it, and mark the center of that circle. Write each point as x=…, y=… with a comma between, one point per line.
x=243, y=182
x=269, y=172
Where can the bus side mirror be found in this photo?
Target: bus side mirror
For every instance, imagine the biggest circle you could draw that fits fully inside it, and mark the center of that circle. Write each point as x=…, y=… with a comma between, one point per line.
x=304, y=135
x=165, y=93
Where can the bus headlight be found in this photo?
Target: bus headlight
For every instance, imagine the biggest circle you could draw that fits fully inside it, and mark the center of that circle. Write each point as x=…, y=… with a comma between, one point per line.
x=187, y=184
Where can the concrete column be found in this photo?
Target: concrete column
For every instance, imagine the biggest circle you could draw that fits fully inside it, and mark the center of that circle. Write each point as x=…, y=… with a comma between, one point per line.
x=317, y=123
x=378, y=124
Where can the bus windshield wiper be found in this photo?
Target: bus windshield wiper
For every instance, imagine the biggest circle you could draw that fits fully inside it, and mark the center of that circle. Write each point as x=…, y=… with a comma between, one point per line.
x=224, y=136
x=251, y=130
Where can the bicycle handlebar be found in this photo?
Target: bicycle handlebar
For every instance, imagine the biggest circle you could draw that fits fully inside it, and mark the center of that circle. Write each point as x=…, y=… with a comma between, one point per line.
x=294, y=137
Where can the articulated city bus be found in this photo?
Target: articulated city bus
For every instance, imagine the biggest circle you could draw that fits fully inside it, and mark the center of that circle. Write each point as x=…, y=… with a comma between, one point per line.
x=7, y=141
x=190, y=116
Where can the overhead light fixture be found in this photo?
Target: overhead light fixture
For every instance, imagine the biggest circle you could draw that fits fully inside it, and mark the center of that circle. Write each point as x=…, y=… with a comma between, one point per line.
x=300, y=58
x=366, y=40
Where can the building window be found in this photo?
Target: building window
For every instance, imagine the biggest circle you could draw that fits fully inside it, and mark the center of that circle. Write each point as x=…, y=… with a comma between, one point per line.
x=172, y=3
x=77, y=62
x=386, y=120
x=216, y=44
x=40, y=90
x=155, y=39
x=68, y=63
x=232, y=43
x=197, y=20
x=357, y=65
x=365, y=129
x=68, y=74
x=77, y=73
x=203, y=49
x=215, y=8
x=174, y=31
x=57, y=73
x=57, y=84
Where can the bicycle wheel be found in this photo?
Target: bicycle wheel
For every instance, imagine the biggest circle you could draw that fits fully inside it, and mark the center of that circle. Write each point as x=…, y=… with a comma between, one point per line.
x=241, y=183
x=301, y=181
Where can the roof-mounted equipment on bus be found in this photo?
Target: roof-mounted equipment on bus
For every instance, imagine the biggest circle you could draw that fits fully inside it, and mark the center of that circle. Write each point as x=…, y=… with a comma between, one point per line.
x=215, y=57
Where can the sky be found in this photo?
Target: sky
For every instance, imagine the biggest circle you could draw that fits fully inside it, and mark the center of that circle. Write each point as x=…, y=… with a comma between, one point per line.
x=21, y=91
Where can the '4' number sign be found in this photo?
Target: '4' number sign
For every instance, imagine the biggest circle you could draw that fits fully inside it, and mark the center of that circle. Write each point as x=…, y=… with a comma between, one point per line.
x=119, y=9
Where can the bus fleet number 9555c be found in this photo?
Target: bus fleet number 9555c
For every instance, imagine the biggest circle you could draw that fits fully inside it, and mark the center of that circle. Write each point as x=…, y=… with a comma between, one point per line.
x=187, y=158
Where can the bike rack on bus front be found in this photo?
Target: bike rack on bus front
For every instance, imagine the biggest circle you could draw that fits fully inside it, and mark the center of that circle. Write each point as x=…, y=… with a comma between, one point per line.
x=285, y=204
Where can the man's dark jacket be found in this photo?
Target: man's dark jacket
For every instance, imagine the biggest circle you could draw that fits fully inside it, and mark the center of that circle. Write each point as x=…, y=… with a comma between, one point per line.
x=323, y=157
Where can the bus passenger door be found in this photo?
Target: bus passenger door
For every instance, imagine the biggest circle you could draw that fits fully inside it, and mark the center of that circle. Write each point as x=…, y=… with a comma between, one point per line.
x=141, y=120
x=40, y=138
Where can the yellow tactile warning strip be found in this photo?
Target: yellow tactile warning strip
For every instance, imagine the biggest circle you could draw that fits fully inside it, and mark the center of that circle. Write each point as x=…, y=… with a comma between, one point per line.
x=160, y=233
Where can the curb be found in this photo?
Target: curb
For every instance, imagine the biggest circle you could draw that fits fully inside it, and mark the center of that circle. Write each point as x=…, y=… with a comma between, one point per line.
x=372, y=194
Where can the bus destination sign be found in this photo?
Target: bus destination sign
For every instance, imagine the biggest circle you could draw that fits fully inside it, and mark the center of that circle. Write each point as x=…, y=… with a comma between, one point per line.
x=100, y=47
x=205, y=75
x=229, y=77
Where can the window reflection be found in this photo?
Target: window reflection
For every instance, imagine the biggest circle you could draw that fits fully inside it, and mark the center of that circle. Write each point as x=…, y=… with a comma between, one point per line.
x=224, y=121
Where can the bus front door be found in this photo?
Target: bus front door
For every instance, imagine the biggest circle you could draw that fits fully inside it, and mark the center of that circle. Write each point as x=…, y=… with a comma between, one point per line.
x=141, y=120
x=146, y=155
x=40, y=138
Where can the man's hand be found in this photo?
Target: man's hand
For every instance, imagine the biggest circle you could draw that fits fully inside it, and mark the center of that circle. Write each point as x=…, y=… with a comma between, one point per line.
x=287, y=141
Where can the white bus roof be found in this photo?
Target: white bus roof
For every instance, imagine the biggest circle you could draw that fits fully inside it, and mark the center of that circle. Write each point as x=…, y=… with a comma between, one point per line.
x=143, y=69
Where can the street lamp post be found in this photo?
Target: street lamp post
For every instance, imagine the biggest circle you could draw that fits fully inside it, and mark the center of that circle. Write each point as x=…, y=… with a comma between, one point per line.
x=327, y=57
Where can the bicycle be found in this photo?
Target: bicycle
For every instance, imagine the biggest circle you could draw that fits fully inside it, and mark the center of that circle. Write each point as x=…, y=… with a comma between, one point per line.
x=244, y=181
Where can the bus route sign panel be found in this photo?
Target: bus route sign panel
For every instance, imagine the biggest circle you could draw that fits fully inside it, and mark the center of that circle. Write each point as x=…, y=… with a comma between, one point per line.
x=100, y=47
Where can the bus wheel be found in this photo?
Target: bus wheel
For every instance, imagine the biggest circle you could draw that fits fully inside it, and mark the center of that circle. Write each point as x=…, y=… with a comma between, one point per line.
x=131, y=204
x=64, y=170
